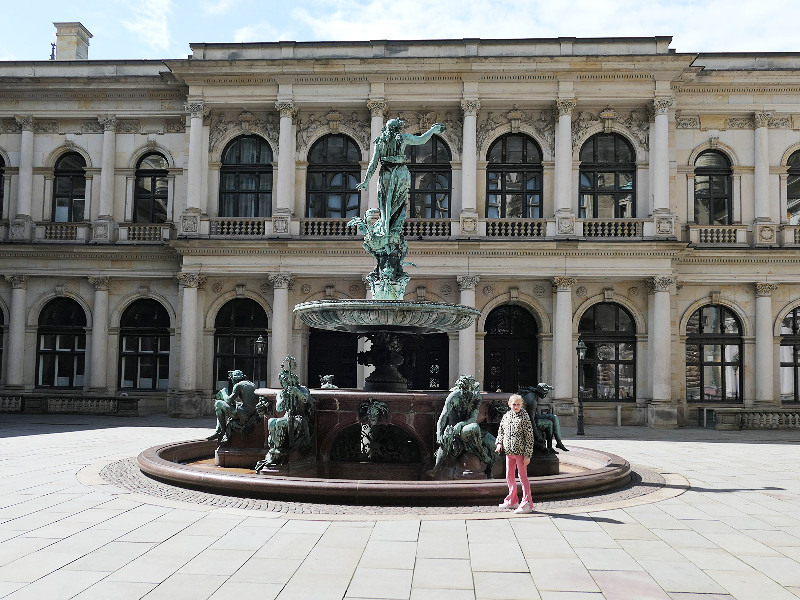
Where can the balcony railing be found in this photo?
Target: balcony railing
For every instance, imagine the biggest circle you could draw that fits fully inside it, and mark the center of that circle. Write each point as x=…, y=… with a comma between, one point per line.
x=516, y=228
x=327, y=228
x=612, y=228
x=426, y=228
x=144, y=233
x=718, y=235
x=62, y=232
x=237, y=227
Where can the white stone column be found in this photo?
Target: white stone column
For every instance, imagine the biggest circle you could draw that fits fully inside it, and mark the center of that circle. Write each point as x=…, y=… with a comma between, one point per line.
x=765, y=344
x=761, y=166
x=469, y=168
x=190, y=221
x=21, y=225
x=377, y=111
x=565, y=215
x=466, y=337
x=284, y=203
x=662, y=412
x=107, y=167
x=99, y=356
x=190, y=282
x=16, y=331
x=562, y=339
x=659, y=149
x=281, y=324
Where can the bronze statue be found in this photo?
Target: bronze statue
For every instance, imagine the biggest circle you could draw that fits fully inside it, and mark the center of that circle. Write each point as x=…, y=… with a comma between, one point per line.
x=292, y=431
x=457, y=429
x=235, y=411
x=546, y=426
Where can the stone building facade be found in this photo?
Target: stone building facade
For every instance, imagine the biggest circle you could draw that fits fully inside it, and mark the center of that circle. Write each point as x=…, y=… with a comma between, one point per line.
x=158, y=216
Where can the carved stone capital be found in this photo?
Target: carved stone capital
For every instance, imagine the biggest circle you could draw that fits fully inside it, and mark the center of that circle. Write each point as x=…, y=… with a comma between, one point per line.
x=109, y=123
x=467, y=282
x=25, y=122
x=470, y=106
x=101, y=284
x=765, y=289
x=762, y=119
x=377, y=107
x=662, y=105
x=17, y=281
x=661, y=284
x=194, y=108
x=191, y=280
x=566, y=106
x=281, y=281
x=564, y=283
x=285, y=108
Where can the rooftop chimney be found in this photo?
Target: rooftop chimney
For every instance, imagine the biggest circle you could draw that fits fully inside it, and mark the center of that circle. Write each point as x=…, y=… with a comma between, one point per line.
x=72, y=41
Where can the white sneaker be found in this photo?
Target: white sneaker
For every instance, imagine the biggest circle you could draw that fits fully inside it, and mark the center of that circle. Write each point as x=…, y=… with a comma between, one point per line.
x=524, y=509
x=508, y=506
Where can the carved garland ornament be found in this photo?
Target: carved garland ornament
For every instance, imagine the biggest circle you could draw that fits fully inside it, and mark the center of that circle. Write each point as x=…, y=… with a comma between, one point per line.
x=246, y=123
x=765, y=289
x=662, y=284
x=564, y=283
x=191, y=280
x=419, y=122
x=543, y=125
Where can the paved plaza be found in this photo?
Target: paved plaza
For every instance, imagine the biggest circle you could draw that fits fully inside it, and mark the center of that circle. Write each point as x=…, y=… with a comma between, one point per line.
x=723, y=523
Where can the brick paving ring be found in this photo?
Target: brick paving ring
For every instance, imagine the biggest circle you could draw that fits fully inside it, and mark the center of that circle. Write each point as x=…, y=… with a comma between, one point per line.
x=595, y=472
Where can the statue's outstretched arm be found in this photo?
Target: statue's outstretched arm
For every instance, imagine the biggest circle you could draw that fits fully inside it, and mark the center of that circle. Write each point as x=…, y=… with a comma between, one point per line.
x=416, y=140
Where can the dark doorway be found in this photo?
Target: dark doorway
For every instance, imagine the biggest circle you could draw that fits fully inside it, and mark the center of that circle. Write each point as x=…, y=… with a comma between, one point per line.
x=511, y=357
x=426, y=361
x=332, y=353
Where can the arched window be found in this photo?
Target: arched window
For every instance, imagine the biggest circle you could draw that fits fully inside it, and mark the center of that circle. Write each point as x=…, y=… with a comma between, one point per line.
x=793, y=189
x=61, y=347
x=334, y=171
x=790, y=357
x=431, y=179
x=514, y=178
x=607, y=178
x=69, y=189
x=144, y=351
x=2, y=186
x=150, y=195
x=237, y=326
x=510, y=349
x=245, y=178
x=714, y=370
x=608, y=371
x=713, y=199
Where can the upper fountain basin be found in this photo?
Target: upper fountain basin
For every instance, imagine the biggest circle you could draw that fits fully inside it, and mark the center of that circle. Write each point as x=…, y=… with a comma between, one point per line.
x=367, y=316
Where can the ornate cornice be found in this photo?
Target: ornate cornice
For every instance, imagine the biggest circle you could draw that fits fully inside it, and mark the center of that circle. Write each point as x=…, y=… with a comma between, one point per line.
x=281, y=281
x=564, y=283
x=100, y=283
x=191, y=280
x=765, y=289
x=17, y=281
x=470, y=106
x=467, y=282
x=566, y=106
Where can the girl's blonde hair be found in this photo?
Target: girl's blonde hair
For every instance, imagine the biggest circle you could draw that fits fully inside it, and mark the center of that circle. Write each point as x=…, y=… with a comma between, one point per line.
x=516, y=397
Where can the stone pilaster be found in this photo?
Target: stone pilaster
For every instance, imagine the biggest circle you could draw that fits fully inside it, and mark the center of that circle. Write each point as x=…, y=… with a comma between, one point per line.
x=281, y=324
x=284, y=202
x=565, y=215
x=469, y=168
x=664, y=220
x=16, y=330
x=765, y=231
x=662, y=412
x=765, y=345
x=562, y=339
x=377, y=110
x=195, y=204
x=22, y=225
x=466, y=337
x=99, y=356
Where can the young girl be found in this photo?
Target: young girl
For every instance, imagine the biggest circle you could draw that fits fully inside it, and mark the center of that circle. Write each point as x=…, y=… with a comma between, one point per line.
x=515, y=436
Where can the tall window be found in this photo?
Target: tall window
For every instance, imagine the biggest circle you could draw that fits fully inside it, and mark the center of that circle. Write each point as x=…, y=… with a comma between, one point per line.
x=245, y=178
x=713, y=200
x=144, y=351
x=2, y=185
x=714, y=356
x=239, y=323
x=1, y=343
x=69, y=189
x=333, y=353
x=514, y=178
x=510, y=349
x=793, y=189
x=431, y=179
x=608, y=371
x=150, y=195
x=790, y=357
x=607, y=178
x=61, y=347
x=334, y=171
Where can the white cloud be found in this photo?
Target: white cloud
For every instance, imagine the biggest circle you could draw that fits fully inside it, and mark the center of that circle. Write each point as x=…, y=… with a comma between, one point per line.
x=260, y=32
x=218, y=7
x=151, y=23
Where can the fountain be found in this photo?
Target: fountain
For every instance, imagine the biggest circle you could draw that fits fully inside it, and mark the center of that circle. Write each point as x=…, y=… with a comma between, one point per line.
x=384, y=444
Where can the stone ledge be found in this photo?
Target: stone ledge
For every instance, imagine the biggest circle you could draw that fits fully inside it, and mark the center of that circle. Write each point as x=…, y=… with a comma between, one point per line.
x=728, y=419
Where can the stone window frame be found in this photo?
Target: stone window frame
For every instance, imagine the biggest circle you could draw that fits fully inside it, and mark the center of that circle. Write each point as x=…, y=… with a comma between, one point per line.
x=701, y=339
x=238, y=169
x=436, y=169
x=72, y=174
x=526, y=167
x=347, y=170
x=616, y=168
x=75, y=334
x=159, y=332
x=245, y=361
x=154, y=195
x=718, y=172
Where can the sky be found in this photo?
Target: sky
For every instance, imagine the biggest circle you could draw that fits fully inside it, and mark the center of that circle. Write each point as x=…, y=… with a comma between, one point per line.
x=161, y=29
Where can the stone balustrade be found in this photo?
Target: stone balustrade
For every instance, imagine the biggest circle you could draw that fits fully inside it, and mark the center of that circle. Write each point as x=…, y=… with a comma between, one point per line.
x=327, y=228
x=237, y=226
x=68, y=404
x=144, y=232
x=515, y=228
x=62, y=232
x=718, y=235
x=612, y=228
x=426, y=228
x=757, y=418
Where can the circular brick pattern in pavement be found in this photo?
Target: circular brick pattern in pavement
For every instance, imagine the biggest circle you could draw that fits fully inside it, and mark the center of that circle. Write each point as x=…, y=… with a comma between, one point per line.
x=126, y=474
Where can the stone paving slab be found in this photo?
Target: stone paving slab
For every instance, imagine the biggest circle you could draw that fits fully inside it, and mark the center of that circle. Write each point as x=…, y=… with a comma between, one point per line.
x=722, y=524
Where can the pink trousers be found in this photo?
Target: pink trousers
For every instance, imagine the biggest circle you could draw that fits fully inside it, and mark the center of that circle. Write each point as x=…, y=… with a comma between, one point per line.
x=516, y=462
